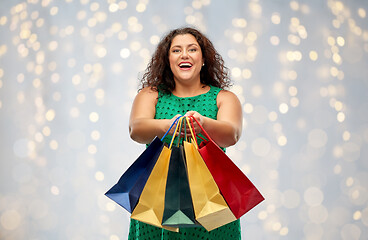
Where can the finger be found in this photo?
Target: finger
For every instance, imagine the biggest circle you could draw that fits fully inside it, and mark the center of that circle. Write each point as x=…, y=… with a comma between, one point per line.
x=198, y=130
x=190, y=113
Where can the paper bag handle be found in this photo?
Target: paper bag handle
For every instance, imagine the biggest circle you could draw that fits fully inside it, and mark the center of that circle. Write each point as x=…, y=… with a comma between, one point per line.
x=176, y=119
x=203, y=131
x=176, y=130
x=194, y=136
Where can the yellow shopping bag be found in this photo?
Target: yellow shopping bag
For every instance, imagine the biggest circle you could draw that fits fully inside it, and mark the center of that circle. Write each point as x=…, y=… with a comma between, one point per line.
x=150, y=207
x=210, y=208
x=151, y=204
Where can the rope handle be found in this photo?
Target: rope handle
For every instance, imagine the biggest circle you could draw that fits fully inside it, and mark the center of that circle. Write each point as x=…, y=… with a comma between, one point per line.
x=203, y=131
x=194, y=139
x=185, y=130
x=180, y=131
x=179, y=124
x=176, y=130
x=176, y=119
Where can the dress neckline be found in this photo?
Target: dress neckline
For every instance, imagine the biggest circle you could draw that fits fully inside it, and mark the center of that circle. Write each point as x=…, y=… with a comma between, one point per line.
x=209, y=90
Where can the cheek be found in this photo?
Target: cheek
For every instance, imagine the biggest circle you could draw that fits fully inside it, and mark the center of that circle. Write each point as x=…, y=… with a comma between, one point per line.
x=171, y=59
x=172, y=63
x=199, y=57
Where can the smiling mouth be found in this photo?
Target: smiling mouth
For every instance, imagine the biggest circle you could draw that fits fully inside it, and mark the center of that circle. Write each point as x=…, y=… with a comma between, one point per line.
x=185, y=65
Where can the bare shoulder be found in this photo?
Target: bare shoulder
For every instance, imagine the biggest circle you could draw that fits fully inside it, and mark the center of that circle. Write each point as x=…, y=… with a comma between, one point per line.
x=230, y=110
x=148, y=95
x=144, y=104
x=227, y=97
x=148, y=91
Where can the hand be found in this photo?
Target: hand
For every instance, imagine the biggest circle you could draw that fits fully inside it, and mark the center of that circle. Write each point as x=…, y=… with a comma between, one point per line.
x=171, y=132
x=199, y=118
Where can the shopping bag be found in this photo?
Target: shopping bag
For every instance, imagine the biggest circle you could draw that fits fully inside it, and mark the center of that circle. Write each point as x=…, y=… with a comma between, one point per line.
x=178, y=210
x=238, y=191
x=210, y=208
x=127, y=190
x=150, y=207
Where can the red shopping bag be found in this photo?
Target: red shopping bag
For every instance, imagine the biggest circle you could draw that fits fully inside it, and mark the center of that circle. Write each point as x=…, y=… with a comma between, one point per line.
x=238, y=191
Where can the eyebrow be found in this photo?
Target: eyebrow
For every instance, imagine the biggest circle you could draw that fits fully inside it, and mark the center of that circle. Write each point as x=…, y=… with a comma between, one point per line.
x=189, y=45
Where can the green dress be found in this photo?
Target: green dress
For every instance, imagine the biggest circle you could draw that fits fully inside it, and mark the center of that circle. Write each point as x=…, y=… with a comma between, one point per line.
x=167, y=107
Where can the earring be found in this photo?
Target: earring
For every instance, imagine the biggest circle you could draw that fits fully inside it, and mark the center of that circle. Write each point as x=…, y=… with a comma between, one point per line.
x=202, y=64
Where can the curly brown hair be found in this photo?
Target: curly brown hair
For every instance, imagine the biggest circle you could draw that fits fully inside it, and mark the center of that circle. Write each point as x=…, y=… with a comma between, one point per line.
x=158, y=74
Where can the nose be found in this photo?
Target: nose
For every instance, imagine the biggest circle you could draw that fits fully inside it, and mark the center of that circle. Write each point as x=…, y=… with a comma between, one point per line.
x=184, y=53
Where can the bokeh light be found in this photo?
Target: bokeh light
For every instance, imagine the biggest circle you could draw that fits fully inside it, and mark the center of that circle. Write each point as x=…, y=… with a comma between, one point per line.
x=69, y=72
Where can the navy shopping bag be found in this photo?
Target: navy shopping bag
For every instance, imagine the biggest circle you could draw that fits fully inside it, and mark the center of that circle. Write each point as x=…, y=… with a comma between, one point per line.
x=127, y=190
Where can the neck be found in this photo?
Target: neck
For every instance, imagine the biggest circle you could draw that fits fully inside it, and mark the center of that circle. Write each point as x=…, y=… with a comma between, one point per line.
x=189, y=90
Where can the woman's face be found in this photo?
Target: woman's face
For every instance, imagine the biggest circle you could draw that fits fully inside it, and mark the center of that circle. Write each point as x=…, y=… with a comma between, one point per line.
x=185, y=57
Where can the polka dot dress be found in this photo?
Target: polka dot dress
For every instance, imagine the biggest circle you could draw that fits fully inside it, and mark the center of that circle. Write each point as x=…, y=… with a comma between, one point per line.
x=142, y=231
x=167, y=107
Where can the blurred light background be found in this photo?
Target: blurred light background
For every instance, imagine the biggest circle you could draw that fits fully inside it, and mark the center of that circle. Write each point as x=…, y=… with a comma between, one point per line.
x=68, y=75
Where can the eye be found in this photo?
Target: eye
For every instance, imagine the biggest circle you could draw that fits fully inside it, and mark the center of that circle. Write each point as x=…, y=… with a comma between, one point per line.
x=192, y=50
x=175, y=50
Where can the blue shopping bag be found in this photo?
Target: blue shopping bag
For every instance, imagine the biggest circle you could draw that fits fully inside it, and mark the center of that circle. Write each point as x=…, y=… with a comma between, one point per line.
x=127, y=190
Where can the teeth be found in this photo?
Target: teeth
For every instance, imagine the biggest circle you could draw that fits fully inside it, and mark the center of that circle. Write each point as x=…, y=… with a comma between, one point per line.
x=186, y=65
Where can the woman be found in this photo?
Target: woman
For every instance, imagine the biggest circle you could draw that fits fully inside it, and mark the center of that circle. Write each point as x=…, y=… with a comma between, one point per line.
x=186, y=76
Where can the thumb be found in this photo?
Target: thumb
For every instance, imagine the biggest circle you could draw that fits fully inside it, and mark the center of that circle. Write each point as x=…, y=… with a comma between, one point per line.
x=190, y=113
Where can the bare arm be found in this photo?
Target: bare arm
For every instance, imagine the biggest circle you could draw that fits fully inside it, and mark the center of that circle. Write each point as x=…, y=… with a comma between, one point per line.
x=143, y=128
x=226, y=130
